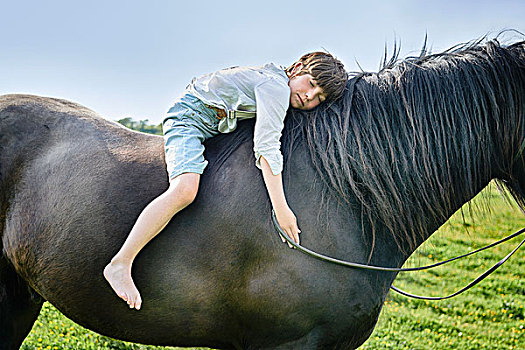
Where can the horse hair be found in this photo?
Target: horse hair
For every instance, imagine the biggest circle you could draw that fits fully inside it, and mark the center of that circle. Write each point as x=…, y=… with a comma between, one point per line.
x=417, y=136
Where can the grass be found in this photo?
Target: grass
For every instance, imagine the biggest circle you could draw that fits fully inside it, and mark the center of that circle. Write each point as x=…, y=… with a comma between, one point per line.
x=489, y=316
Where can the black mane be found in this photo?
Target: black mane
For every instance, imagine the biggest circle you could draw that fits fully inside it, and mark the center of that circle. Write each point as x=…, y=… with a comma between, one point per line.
x=418, y=136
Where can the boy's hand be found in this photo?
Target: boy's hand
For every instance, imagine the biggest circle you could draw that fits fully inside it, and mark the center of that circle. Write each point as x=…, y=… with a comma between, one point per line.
x=288, y=222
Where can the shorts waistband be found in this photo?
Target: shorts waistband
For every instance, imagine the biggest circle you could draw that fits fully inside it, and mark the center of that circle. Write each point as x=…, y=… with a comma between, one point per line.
x=220, y=113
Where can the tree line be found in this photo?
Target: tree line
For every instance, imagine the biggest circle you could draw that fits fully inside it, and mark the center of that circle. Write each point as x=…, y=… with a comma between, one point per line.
x=141, y=125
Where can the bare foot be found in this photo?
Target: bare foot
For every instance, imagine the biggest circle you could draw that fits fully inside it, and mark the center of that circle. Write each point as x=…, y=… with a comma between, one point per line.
x=119, y=277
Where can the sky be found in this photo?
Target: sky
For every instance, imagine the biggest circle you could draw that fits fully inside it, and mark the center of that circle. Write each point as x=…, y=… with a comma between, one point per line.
x=132, y=58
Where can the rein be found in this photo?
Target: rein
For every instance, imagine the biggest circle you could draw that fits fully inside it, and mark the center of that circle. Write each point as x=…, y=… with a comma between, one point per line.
x=397, y=269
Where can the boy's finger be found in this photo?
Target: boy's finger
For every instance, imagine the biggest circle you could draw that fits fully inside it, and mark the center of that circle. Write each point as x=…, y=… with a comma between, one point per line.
x=291, y=236
x=295, y=237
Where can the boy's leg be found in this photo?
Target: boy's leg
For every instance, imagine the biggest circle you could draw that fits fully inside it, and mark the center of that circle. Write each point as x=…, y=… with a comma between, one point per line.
x=152, y=220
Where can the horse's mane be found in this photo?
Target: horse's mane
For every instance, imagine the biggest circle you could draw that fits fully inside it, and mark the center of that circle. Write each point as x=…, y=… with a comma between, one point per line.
x=407, y=144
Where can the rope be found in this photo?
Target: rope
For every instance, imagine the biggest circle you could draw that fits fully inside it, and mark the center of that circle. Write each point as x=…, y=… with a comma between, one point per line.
x=397, y=269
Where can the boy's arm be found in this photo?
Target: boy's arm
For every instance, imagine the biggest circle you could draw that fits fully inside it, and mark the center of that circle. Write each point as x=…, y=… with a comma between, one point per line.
x=285, y=216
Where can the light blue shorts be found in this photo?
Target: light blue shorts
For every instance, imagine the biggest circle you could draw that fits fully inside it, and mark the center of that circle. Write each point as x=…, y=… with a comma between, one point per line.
x=186, y=126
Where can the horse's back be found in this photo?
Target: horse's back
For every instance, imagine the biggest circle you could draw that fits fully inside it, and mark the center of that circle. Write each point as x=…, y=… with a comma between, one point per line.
x=217, y=273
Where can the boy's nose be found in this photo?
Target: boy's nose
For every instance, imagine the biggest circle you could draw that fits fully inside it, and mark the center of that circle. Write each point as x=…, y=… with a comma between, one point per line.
x=310, y=94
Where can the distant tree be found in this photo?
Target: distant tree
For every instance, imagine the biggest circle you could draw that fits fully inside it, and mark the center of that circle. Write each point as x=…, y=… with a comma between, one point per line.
x=141, y=125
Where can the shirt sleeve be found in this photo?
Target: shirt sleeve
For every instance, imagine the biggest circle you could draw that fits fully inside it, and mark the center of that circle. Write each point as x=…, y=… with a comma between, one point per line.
x=272, y=99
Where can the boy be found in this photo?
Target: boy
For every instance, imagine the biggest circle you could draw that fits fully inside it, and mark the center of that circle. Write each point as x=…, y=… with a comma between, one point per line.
x=211, y=105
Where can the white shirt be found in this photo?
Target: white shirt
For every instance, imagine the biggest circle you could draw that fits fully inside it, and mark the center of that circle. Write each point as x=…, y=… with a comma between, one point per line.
x=262, y=90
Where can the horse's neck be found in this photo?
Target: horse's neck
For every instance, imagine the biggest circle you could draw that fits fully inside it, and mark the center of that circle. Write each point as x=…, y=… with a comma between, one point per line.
x=494, y=162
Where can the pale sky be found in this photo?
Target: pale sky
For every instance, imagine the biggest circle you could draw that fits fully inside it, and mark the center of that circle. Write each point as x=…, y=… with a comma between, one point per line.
x=132, y=58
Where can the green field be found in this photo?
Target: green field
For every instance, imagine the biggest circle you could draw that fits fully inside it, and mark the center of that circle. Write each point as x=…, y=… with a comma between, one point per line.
x=489, y=316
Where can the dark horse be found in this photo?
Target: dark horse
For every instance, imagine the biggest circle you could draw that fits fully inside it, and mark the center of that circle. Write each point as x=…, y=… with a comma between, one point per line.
x=370, y=178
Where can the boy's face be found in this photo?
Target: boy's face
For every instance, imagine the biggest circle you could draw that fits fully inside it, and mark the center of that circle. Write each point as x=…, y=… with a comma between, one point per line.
x=305, y=93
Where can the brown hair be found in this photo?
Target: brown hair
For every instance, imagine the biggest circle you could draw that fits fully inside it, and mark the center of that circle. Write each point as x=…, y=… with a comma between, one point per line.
x=326, y=70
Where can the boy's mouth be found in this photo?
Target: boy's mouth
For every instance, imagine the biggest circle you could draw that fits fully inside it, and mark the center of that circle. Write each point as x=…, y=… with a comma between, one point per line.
x=300, y=99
